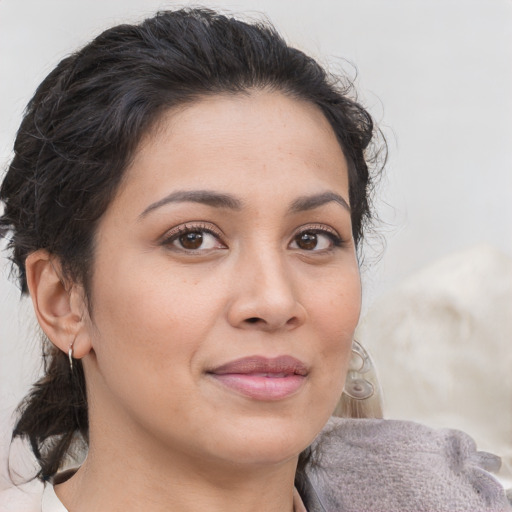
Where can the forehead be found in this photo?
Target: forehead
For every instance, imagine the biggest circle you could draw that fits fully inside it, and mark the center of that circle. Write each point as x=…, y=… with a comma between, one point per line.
x=245, y=142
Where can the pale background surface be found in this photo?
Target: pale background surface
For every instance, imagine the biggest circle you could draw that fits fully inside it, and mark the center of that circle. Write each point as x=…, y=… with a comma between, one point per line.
x=437, y=75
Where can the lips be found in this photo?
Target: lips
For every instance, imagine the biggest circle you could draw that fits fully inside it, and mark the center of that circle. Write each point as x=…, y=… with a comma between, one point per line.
x=261, y=378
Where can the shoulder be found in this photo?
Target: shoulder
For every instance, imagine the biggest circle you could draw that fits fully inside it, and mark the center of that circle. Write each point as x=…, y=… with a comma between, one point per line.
x=23, y=498
x=388, y=466
x=42, y=500
x=31, y=497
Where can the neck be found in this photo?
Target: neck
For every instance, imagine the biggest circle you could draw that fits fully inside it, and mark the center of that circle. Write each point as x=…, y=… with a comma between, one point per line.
x=127, y=471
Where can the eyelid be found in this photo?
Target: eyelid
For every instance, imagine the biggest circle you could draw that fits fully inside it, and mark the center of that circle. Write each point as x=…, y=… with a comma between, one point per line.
x=191, y=226
x=336, y=238
x=319, y=228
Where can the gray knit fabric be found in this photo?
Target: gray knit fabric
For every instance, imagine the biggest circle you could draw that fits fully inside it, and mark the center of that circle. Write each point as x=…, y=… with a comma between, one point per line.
x=399, y=466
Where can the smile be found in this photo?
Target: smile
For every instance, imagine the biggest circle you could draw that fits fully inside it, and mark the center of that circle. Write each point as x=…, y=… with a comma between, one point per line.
x=262, y=378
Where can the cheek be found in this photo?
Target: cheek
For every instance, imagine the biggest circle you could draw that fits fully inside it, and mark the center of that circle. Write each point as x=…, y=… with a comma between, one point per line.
x=146, y=315
x=145, y=333
x=337, y=314
x=337, y=304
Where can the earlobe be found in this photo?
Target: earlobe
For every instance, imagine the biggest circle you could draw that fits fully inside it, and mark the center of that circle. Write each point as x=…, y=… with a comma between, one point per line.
x=58, y=306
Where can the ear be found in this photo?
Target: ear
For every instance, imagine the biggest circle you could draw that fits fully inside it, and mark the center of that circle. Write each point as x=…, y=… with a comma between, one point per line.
x=59, y=306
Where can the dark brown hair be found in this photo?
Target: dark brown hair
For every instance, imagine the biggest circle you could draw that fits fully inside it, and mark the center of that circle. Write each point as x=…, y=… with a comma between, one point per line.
x=81, y=129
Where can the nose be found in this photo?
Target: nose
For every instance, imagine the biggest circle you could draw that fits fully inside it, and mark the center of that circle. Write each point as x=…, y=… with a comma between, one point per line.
x=265, y=295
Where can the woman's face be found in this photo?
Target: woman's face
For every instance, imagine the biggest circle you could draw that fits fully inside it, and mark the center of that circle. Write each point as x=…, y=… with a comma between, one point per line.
x=226, y=288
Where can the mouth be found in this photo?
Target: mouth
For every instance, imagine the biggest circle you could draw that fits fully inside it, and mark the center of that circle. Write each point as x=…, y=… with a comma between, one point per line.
x=261, y=378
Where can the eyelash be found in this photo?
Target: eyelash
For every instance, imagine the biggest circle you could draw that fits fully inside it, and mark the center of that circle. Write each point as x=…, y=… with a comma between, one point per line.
x=317, y=229
x=173, y=235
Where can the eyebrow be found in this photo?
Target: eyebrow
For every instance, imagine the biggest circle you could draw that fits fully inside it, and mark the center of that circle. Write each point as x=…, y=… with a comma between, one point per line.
x=207, y=197
x=220, y=200
x=305, y=203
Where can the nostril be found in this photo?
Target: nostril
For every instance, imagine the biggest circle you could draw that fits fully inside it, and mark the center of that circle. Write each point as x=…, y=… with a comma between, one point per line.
x=253, y=320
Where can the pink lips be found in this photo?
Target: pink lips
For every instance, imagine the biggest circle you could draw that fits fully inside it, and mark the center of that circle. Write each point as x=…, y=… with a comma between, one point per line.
x=262, y=378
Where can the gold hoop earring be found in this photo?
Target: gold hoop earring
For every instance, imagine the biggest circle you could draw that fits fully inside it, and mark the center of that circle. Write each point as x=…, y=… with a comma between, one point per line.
x=356, y=385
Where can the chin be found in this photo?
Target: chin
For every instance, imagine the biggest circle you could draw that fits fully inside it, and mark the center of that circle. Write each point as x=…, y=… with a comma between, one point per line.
x=268, y=441
x=266, y=452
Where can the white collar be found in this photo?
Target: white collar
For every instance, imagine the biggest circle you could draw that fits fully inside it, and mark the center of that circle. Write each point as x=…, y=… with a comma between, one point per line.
x=51, y=502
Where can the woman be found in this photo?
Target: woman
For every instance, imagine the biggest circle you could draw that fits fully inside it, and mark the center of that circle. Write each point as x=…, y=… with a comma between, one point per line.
x=186, y=200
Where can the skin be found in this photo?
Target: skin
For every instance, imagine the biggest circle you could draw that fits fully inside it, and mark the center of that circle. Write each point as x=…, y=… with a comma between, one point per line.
x=162, y=430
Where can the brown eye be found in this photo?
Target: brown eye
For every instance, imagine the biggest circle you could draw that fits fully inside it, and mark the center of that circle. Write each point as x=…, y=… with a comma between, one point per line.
x=196, y=240
x=192, y=240
x=316, y=240
x=307, y=241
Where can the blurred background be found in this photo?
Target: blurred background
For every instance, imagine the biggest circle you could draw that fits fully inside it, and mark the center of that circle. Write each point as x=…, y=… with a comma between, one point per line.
x=436, y=75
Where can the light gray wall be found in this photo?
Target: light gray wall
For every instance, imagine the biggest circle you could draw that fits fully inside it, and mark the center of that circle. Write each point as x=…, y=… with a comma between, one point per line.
x=435, y=73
